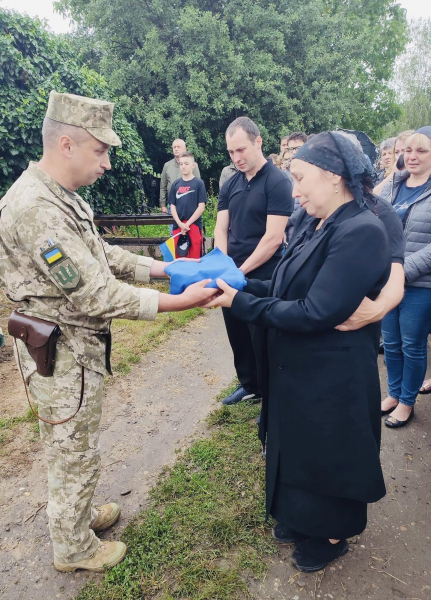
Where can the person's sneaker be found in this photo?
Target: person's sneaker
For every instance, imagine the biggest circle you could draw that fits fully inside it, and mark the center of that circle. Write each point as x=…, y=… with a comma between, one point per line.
x=315, y=553
x=107, y=515
x=237, y=395
x=285, y=535
x=107, y=555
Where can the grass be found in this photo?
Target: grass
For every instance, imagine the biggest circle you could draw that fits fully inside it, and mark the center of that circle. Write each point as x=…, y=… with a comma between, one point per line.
x=8, y=423
x=132, y=339
x=204, y=531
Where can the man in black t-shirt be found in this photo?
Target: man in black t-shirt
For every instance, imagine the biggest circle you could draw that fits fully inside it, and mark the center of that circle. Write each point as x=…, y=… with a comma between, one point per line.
x=253, y=209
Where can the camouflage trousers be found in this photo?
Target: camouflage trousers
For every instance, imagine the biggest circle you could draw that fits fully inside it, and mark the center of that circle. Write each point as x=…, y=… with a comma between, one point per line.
x=71, y=449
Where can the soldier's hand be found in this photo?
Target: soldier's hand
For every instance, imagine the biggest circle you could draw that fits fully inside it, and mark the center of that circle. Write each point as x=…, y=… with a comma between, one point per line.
x=197, y=294
x=164, y=209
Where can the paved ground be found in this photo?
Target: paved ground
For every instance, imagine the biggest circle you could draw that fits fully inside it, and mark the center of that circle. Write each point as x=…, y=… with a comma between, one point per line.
x=157, y=408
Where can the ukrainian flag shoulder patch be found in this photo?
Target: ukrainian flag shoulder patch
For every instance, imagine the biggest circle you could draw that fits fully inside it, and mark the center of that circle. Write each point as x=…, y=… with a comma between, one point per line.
x=53, y=255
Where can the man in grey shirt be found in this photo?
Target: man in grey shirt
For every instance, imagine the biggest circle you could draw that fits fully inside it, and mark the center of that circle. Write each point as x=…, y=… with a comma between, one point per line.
x=171, y=172
x=227, y=173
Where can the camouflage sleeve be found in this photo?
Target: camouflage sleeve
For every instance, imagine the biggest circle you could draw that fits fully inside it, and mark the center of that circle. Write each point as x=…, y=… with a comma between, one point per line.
x=196, y=172
x=126, y=265
x=163, y=186
x=71, y=266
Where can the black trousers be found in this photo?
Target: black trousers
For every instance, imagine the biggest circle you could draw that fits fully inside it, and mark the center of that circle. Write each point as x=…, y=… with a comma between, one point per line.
x=246, y=341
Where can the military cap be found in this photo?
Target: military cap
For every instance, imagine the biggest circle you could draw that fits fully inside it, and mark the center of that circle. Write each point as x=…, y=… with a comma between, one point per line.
x=93, y=115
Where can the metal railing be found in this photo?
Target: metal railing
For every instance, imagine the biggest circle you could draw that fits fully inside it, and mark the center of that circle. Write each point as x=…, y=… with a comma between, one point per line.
x=136, y=220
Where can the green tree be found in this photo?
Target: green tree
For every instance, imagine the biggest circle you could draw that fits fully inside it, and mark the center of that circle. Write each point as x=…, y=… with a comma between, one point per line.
x=189, y=67
x=33, y=62
x=412, y=79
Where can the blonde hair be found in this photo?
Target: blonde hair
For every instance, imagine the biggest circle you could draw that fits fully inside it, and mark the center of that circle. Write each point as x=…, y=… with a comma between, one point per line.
x=276, y=159
x=422, y=140
x=403, y=136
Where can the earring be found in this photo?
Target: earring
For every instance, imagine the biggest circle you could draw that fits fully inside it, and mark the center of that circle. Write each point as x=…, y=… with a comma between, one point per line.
x=336, y=188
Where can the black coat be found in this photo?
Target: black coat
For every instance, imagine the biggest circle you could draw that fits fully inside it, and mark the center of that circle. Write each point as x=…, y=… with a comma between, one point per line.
x=321, y=404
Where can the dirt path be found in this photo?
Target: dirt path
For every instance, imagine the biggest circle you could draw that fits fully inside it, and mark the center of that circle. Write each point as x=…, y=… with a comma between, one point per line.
x=156, y=409
x=392, y=558
x=148, y=415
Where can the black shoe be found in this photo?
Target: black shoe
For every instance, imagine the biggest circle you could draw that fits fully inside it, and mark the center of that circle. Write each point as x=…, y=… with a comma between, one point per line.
x=396, y=423
x=285, y=535
x=315, y=553
x=237, y=395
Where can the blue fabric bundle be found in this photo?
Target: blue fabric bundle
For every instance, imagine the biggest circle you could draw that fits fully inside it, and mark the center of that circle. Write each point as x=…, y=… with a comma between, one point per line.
x=212, y=266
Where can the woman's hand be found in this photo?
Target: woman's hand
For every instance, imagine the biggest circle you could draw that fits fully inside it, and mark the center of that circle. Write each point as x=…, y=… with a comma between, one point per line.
x=394, y=169
x=369, y=311
x=225, y=296
x=184, y=228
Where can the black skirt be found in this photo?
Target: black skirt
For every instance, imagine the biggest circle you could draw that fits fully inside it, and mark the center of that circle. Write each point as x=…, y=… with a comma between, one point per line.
x=318, y=516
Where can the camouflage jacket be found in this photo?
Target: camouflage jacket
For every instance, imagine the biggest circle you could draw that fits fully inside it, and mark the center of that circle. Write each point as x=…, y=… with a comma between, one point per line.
x=55, y=265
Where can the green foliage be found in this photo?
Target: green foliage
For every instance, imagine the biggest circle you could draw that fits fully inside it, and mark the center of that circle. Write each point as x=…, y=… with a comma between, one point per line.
x=209, y=217
x=190, y=67
x=412, y=80
x=32, y=63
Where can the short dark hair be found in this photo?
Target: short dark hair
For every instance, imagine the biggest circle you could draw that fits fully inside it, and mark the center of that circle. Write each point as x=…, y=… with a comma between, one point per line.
x=247, y=125
x=187, y=154
x=297, y=135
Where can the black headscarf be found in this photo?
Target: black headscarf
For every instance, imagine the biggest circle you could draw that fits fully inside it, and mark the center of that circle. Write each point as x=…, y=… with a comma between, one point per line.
x=336, y=153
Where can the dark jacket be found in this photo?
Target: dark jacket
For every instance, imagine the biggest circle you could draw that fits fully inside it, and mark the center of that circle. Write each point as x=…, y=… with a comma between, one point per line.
x=387, y=215
x=417, y=231
x=321, y=402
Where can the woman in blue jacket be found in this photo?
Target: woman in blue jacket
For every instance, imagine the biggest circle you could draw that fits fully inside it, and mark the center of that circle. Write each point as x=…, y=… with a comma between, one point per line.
x=405, y=329
x=321, y=402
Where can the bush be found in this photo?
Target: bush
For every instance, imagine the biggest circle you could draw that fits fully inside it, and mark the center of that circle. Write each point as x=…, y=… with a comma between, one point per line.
x=32, y=63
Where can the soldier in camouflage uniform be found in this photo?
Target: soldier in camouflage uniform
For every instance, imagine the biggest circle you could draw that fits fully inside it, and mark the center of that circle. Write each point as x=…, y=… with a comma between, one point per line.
x=56, y=266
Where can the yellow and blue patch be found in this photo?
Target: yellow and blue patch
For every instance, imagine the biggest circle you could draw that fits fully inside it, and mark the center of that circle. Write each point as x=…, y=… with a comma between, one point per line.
x=53, y=255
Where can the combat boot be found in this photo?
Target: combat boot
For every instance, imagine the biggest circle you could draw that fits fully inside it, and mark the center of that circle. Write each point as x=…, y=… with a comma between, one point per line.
x=107, y=555
x=107, y=515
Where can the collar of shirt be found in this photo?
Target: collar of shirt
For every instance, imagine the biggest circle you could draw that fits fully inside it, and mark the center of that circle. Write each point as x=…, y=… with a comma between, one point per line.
x=79, y=205
x=311, y=228
x=259, y=173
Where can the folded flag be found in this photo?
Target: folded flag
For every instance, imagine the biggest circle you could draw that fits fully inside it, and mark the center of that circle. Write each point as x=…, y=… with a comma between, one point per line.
x=211, y=266
x=168, y=249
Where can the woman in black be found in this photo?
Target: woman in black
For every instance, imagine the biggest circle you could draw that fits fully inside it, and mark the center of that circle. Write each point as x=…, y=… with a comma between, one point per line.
x=321, y=406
